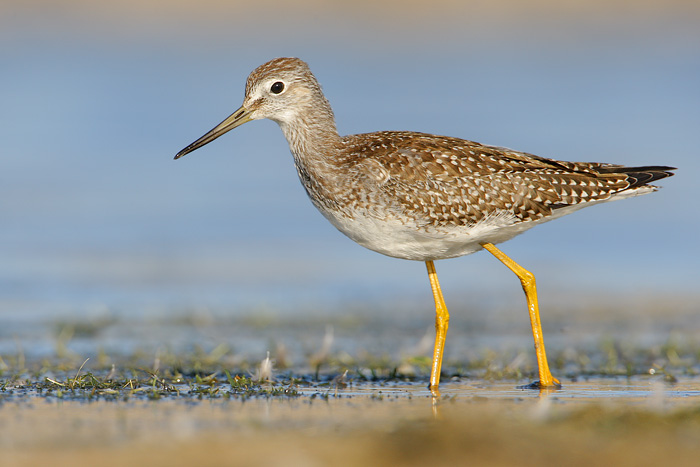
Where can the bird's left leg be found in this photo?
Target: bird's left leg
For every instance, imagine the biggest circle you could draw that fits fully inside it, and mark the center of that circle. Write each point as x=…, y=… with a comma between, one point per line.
x=527, y=279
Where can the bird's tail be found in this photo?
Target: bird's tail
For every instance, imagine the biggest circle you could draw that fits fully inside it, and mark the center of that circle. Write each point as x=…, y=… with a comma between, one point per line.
x=640, y=176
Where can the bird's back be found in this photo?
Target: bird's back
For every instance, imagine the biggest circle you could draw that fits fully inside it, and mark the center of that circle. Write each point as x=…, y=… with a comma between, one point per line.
x=406, y=193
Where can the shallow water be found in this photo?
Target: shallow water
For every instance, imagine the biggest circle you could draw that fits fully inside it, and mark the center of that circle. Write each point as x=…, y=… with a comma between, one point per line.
x=646, y=390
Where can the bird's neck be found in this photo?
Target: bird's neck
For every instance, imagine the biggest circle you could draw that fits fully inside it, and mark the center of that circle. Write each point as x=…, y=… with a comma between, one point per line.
x=316, y=147
x=312, y=137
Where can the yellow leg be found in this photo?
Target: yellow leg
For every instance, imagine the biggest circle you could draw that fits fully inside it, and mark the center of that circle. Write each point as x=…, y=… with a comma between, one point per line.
x=442, y=319
x=527, y=279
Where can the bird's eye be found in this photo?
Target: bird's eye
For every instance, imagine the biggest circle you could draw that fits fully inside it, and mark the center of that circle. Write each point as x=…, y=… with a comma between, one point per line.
x=277, y=87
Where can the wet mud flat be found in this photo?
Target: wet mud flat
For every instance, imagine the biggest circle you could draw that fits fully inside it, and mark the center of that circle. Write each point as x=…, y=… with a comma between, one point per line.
x=341, y=391
x=176, y=416
x=603, y=420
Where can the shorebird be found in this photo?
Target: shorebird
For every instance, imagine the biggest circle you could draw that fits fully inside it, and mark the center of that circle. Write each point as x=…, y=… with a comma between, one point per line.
x=424, y=197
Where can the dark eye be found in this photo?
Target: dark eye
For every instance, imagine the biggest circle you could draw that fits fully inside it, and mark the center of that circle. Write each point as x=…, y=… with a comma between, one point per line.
x=277, y=87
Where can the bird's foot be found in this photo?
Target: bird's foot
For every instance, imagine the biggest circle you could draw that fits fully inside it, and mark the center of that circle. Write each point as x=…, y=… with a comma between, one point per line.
x=555, y=384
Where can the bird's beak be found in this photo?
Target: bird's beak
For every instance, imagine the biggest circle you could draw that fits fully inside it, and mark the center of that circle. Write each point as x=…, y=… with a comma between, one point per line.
x=238, y=118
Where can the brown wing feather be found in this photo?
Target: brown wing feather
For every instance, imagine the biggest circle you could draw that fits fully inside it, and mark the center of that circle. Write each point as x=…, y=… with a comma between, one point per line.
x=449, y=181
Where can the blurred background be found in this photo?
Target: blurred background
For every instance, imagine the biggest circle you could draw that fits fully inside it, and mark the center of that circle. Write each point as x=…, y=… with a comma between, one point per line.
x=96, y=99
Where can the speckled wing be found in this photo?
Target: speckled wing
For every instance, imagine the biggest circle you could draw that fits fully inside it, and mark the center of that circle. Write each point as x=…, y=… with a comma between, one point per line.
x=444, y=181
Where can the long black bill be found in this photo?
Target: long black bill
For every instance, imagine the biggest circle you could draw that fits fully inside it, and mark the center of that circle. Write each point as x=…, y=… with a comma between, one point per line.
x=238, y=118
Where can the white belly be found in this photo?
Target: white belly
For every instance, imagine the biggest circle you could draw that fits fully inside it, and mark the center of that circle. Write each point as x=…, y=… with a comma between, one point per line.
x=406, y=241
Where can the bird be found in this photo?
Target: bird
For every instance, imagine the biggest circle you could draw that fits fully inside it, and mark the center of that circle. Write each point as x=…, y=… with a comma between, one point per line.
x=424, y=197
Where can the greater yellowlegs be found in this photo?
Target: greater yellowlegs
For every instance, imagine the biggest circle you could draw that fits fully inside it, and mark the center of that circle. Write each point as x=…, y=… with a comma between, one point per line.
x=424, y=197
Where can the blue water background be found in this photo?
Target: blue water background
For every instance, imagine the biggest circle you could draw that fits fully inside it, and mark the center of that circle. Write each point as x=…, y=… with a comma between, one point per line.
x=95, y=213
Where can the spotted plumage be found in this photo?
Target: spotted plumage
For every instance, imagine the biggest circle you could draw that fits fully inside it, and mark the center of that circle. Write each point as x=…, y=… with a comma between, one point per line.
x=448, y=182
